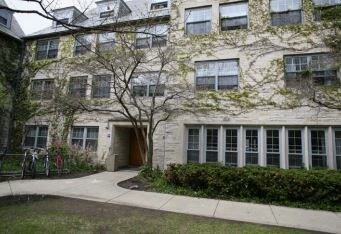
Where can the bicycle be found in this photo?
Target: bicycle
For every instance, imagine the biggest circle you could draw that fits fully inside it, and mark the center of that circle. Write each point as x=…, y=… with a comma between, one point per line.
x=29, y=165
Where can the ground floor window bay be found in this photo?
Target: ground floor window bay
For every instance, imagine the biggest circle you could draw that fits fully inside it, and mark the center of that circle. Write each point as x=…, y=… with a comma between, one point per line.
x=272, y=146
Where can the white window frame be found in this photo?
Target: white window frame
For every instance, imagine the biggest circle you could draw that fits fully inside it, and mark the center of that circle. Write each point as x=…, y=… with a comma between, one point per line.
x=84, y=138
x=231, y=151
x=150, y=33
x=109, y=40
x=149, y=82
x=48, y=49
x=285, y=10
x=280, y=140
x=325, y=144
x=258, y=145
x=155, y=2
x=302, y=148
x=187, y=142
x=234, y=17
x=218, y=143
x=187, y=15
x=94, y=85
x=43, y=90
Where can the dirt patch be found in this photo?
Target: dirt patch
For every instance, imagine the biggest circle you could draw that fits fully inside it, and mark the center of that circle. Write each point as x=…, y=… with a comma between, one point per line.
x=136, y=183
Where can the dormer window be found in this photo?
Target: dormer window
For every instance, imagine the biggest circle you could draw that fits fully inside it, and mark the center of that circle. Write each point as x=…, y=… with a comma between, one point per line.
x=68, y=15
x=158, y=4
x=111, y=8
x=106, y=14
x=5, y=18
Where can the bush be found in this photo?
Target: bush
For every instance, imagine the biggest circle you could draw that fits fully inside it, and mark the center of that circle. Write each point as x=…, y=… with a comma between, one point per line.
x=270, y=185
x=150, y=173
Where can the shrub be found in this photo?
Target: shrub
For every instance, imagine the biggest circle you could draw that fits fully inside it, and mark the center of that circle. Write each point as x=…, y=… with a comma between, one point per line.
x=150, y=173
x=269, y=185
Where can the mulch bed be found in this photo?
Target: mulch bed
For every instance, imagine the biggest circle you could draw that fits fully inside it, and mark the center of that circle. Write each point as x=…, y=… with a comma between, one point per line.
x=136, y=183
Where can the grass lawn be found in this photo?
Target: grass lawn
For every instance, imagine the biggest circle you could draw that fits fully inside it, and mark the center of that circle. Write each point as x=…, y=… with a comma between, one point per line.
x=65, y=215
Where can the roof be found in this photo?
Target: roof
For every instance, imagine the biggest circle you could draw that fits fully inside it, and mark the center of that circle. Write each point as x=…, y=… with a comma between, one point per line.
x=15, y=30
x=139, y=11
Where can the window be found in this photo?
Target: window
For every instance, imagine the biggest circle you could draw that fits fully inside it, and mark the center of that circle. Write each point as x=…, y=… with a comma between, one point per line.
x=193, y=150
x=36, y=136
x=318, y=148
x=251, y=147
x=231, y=147
x=85, y=137
x=47, y=49
x=272, y=148
x=217, y=75
x=5, y=18
x=83, y=44
x=321, y=6
x=158, y=4
x=77, y=86
x=198, y=20
x=152, y=36
x=149, y=84
x=285, y=12
x=338, y=148
x=107, y=14
x=101, y=86
x=295, y=151
x=62, y=21
x=233, y=16
x=212, y=145
x=322, y=67
x=42, y=89
x=106, y=41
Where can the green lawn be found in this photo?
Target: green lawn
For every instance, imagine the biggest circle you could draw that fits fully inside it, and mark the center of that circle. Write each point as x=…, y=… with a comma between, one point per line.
x=64, y=215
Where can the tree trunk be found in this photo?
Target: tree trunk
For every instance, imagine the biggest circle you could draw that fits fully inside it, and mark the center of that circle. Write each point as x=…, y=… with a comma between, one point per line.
x=150, y=148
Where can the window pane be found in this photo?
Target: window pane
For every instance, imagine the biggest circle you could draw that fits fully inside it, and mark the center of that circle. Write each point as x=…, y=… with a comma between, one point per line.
x=251, y=147
x=30, y=136
x=285, y=5
x=77, y=86
x=326, y=2
x=91, y=145
x=42, y=47
x=192, y=156
x=159, y=41
x=142, y=43
x=205, y=83
x=295, y=148
x=92, y=133
x=318, y=148
x=48, y=89
x=198, y=14
x=227, y=82
x=197, y=28
x=234, y=10
x=234, y=23
x=78, y=133
x=231, y=147
x=36, y=89
x=284, y=18
x=272, y=148
x=101, y=86
x=53, y=48
x=140, y=90
x=193, y=145
x=159, y=92
x=211, y=145
x=338, y=149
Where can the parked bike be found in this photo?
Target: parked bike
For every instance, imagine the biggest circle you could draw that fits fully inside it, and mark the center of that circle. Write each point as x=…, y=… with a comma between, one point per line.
x=47, y=164
x=29, y=165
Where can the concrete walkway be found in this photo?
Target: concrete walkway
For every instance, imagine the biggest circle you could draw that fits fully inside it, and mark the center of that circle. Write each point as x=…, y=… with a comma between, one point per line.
x=103, y=187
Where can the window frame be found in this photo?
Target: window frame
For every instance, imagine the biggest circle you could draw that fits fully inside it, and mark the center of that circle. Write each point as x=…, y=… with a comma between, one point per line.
x=101, y=94
x=302, y=154
x=197, y=22
x=187, y=143
x=236, y=17
x=311, y=154
x=148, y=84
x=149, y=37
x=6, y=15
x=36, y=136
x=49, y=40
x=84, y=137
x=290, y=76
x=216, y=76
x=337, y=156
x=318, y=9
x=45, y=94
x=217, y=151
x=230, y=164
x=102, y=46
x=83, y=94
x=85, y=48
x=258, y=146
x=286, y=12
x=279, y=147
x=159, y=3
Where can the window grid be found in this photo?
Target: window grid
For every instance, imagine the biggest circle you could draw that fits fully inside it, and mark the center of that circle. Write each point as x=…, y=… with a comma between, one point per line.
x=36, y=136
x=295, y=150
x=77, y=87
x=157, y=5
x=251, y=147
x=318, y=148
x=212, y=145
x=83, y=44
x=285, y=12
x=85, y=138
x=198, y=20
x=101, y=86
x=105, y=41
x=234, y=16
x=272, y=148
x=193, y=145
x=42, y=89
x=149, y=84
x=217, y=75
x=231, y=147
x=321, y=65
x=152, y=36
x=47, y=49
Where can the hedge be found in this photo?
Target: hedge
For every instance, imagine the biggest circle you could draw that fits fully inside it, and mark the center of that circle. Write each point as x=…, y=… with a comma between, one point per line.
x=271, y=185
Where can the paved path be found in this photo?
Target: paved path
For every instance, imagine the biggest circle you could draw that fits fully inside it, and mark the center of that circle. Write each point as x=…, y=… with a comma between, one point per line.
x=103, y=187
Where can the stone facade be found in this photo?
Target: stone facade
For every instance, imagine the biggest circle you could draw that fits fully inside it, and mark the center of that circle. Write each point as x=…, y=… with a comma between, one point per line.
x=260, y=51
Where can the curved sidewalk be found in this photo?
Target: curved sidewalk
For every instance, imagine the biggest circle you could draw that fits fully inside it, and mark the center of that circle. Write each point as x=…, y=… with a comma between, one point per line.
x=103, y=187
